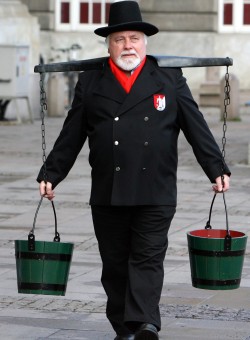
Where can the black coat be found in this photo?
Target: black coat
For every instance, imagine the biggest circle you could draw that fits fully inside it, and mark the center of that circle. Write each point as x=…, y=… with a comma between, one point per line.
x=133, y=145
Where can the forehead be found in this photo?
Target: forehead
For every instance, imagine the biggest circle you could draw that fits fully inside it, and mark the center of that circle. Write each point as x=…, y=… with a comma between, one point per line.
x=126, y=34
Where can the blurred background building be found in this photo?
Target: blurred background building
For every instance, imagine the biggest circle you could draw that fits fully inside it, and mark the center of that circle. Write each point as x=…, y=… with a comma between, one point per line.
x=61, y=30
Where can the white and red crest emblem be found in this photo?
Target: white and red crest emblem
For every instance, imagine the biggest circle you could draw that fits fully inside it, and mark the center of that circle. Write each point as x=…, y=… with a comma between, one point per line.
x=159, y=102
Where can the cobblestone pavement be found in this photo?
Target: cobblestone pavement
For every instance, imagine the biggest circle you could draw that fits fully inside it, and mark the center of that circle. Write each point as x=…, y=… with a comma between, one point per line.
x=204, y=312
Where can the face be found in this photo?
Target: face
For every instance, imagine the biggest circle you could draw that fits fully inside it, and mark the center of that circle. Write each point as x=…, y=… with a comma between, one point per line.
x=127, y=49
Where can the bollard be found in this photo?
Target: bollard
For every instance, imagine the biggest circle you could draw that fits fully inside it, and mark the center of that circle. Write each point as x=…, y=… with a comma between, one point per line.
x=56, y=95
x=210, y=89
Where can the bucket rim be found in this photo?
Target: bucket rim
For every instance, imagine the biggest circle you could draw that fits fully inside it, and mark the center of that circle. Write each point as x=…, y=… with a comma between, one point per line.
x=215, y=234
x=47, y=242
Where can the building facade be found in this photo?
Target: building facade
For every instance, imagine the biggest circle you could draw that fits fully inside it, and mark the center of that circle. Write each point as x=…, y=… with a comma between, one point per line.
x=198, y=28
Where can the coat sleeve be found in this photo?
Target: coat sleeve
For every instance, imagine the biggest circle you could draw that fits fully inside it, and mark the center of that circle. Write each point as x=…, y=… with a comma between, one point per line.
x=69, y=142
x=198, y=134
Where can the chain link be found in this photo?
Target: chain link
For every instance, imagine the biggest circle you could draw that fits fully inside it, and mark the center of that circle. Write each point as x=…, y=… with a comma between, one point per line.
x=226, y=103
x=227, y=89
x=224, y=140
x=43, y=111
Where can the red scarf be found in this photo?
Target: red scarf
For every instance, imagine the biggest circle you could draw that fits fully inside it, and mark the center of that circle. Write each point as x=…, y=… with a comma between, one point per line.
x=124, y=80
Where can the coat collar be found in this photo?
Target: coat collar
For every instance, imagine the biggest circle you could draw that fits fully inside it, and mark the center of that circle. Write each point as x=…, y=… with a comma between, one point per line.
x=145, y=86
x=109, y=86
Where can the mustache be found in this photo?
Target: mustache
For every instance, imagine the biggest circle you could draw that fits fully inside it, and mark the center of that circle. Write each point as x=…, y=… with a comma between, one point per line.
x=131, y=52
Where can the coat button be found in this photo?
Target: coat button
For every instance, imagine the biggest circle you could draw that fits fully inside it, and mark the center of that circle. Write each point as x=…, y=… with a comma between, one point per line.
x=116, y=142
x=146, y=119
x=117, y=168
x=146, y=144
x=117, y=118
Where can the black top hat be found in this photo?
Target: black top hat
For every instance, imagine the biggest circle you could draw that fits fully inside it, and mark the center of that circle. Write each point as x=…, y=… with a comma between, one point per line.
x=126, y=16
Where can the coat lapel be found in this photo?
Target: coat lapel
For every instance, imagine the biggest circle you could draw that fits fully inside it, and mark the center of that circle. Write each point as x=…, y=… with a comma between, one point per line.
x=145, y=86
x=110, y=87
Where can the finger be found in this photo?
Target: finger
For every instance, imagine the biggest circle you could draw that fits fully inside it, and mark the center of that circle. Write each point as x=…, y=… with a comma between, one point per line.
x=49, y=191
x=42, y=188
x=226, y=183
x=50, y=197
x=216, y=189
x=48, y=188
x=220, y=188
x=220, y=184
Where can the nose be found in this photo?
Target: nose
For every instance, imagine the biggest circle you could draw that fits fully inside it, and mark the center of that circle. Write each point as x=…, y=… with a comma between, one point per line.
x=127, y=44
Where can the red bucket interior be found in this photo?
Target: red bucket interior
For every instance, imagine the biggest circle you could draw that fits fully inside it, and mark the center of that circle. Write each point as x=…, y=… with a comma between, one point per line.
x=215, y=233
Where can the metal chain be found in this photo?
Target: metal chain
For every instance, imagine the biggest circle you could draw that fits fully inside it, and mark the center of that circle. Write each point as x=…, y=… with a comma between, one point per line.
x=227, y=242
x=43, y=111
x=226, y=103
x=227, y=89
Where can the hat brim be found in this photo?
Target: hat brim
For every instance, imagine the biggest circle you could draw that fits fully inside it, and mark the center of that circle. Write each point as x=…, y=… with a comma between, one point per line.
x=144, y=27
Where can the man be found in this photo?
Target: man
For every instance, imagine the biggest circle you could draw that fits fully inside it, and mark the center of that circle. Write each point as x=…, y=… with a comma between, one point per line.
x=132, y=112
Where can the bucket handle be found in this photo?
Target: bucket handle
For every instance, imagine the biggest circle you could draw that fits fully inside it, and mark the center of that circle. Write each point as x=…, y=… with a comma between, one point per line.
x=228, y=238
x=31, y=236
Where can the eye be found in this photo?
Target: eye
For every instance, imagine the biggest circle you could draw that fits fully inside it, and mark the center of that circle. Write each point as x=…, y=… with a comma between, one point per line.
x=134, y=39
x=118, y=40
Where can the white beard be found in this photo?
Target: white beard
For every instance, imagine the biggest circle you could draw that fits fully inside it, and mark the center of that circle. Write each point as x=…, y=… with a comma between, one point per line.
x=128, y=64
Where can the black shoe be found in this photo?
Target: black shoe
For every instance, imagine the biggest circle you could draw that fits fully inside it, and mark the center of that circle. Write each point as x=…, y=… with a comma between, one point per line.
x=146, y=331
x=125, y=337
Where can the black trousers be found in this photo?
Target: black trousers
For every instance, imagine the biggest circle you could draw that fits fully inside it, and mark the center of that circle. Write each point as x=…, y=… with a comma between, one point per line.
x=132, y=243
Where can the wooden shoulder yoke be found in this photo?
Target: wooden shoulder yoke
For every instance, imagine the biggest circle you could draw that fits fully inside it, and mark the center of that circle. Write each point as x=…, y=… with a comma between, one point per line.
x=163, y=61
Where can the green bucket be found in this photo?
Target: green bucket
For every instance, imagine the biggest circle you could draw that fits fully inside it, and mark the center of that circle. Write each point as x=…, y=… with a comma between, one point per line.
x=216, y=256
x=45, y=270
x=213, y=267
x=43, y=267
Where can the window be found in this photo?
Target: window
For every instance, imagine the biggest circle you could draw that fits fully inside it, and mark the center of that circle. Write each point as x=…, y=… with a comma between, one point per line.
x=234, y=15
x=246, y=15
x=228, y=14
x=79, y=15
x=65, y=12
